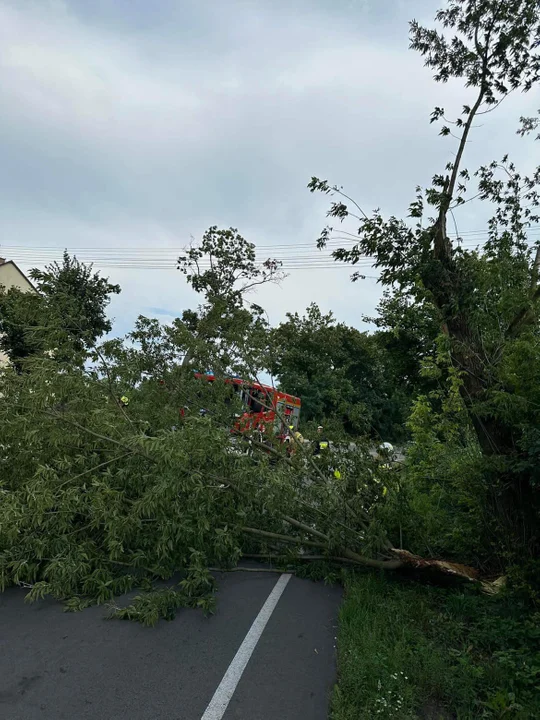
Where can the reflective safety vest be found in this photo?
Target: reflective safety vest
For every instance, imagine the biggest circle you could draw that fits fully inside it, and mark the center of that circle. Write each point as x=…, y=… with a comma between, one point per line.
x=320, y=446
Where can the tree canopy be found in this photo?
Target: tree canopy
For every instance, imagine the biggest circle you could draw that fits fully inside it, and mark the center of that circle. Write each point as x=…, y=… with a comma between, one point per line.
x=339, y=372
x=223, y=269
x=67, y=314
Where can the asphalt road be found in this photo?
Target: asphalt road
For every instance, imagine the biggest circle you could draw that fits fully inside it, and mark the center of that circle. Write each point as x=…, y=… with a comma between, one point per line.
x=56, y=665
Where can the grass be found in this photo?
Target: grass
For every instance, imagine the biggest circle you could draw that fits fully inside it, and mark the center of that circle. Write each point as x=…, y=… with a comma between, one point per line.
x=409, y=650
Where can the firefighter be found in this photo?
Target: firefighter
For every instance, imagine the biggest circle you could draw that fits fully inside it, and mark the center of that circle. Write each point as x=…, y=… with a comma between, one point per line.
x=321, y=444
x=293, y=440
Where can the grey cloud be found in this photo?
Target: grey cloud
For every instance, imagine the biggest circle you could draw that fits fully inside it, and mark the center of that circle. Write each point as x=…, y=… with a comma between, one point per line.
x=133, y=124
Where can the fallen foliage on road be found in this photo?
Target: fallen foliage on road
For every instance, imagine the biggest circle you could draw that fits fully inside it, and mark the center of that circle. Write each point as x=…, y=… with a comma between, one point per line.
x=98, y=498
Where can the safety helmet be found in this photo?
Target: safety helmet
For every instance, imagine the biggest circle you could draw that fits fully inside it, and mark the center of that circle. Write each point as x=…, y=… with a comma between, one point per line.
x=124, y=400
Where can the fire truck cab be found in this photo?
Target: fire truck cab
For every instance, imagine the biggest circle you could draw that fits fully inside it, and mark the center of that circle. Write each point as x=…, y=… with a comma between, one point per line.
x=265, y=409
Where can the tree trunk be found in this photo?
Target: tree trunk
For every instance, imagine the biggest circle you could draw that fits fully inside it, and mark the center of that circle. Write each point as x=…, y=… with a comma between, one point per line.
x=511, y=496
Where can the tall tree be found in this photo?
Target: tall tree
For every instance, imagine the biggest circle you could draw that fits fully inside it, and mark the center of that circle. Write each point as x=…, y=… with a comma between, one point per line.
x=79, y=296
x=486, y=303
x=224, y=269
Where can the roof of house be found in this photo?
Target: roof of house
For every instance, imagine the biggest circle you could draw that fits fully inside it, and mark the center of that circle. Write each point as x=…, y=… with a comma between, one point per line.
x=18, y=269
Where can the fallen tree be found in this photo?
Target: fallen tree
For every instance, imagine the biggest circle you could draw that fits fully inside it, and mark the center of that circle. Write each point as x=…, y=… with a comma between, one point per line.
x=98, y=498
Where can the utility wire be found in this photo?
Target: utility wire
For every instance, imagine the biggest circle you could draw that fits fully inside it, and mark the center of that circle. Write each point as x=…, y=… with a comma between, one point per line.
x=158, y=256
x=471, y=236
x=291, y=257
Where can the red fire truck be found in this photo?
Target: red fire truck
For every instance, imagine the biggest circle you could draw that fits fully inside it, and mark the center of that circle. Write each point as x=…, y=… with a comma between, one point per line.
x=265, y=409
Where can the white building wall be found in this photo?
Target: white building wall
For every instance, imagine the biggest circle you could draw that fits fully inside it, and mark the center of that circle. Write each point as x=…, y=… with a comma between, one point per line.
x=12, y=277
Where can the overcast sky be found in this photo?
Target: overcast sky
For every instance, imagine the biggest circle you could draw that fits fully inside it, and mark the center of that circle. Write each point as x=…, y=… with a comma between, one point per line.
x=133, y=125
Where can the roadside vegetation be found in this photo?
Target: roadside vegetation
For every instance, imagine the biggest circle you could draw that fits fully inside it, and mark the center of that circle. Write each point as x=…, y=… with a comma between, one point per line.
x=410, y=650
x=111, y=477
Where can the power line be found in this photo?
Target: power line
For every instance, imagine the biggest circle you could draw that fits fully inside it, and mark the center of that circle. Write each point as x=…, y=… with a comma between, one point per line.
x=131, y=256
x=335, y=266
x=161, y=262
x=165, y=257
x=471, y=236
x=534, y=229
x=156, y=256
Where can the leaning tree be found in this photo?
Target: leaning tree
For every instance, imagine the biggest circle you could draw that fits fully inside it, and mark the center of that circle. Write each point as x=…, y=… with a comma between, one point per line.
x=486, y=303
